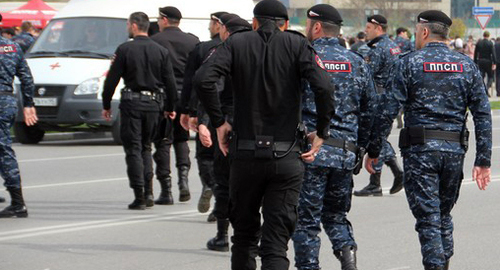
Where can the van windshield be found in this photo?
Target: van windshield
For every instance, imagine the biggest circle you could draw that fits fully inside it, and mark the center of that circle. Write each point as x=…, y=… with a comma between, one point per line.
x=81, y=37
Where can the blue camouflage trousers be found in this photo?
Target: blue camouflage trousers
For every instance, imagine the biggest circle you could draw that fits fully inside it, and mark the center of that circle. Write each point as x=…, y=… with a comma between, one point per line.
x=325, y=198
x=432, y=184
x=9, y=169
x=386, y=153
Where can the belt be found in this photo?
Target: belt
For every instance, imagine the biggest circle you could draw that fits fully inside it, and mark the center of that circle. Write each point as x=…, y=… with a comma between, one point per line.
x=138, y=95
x=250, y=145
x=342, y=144
x=3, y=93
x=442, y=135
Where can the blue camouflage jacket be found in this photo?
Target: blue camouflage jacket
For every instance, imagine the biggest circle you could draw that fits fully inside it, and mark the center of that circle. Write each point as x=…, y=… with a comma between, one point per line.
x=25, y=40
x=435, y=86
x=355, y=102
x=403, y=43
x=383, y=54
x=12, y=63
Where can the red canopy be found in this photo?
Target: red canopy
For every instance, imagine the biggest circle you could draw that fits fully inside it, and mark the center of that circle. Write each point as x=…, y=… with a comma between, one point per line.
x=35, y=11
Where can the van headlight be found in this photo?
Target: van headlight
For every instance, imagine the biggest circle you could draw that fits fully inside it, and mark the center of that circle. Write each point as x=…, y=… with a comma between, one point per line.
x=88, y=87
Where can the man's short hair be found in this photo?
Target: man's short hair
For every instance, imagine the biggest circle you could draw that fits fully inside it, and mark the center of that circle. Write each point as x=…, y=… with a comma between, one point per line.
x=279, y=22
x=26, y=26
x=141, y=20
x=438, y=30
x=9, y=31
x=361, y=35
x=486, y=34
x=329, y=29
x=401, y=30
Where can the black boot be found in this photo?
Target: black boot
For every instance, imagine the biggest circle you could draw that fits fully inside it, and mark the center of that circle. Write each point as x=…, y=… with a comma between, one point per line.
x=184, y=194
x=139, y=203
x=434, y=268
x=148, y=193
x=211, y=217
x=17, y=208
x=373, y=188
x=2, y=199
x=166, y=192
x=220, y=241
x=347, y=257
x=398, y=176
x=204, y=202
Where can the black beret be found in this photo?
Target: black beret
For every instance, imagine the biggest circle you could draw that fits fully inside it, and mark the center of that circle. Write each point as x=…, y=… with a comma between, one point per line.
x=170, y=12
x=324, y=13
x=216, y=15
x=377, y=19
x=236, y=24
x=226, y=17
x=434, y=16
x=270, y=9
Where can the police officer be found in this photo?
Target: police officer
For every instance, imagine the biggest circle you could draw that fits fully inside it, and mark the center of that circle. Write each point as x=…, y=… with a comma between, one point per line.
x=149, y=81
x=402, y=39
x=266, y=68
x=179, y=44
x=435, y=86
x=12, y=63
x=25, y=39
x=325, y=196
x=381, y=57
x=189, y=105
x=231, y=24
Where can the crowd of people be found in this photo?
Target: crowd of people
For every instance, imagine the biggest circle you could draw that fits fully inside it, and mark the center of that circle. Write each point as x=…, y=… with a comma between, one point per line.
x=279, y=154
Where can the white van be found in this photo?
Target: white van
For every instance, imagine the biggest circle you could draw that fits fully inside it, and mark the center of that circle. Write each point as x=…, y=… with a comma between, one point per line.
x=70, y=59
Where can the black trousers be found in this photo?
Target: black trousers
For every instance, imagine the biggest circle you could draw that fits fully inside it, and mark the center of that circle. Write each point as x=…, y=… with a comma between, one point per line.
x=275, y=185
x=486, y=68
x=138, y=129
x=221, y=187
x=497, y=80
x=205, y=161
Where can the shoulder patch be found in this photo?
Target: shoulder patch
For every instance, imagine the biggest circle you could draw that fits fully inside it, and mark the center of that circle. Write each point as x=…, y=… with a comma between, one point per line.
x=11, y=48
x=212, y=51
x=319, y=62
x=395, y=51
x=295, y=32
x=439, y=67
x=337, y=66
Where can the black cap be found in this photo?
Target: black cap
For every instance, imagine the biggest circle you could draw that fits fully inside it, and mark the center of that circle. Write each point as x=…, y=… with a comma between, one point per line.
x=237, y=24
x=226, y=17
x=170, y=12
x=216, y=16
x=324, y=13
x=377, y=19
x=434, y=16
x=270, y=9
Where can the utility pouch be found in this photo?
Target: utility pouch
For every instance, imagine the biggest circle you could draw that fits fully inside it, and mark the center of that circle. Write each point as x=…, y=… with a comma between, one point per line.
x=359, y=160
x=233, y=142
x=264, y=147
x=417, y=135
x=301, y=137
x=404, y=138
x=464, y=139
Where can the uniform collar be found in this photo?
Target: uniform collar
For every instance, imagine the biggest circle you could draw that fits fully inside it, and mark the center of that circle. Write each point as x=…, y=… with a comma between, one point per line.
x=172, y=28
x=141, y=38
x=436, y=44
x=326, y=41
x=377, y=39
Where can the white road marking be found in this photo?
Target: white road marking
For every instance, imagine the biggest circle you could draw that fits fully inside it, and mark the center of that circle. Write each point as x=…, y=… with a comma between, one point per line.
x=65, y=228
x=71, y=157
x=76, y=183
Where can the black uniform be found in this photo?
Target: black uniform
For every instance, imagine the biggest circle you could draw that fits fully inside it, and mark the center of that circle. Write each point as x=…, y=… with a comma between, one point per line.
x=266, y=67
x=146, y=70
x=484, y=57
x=179, y=44
x=497, y=70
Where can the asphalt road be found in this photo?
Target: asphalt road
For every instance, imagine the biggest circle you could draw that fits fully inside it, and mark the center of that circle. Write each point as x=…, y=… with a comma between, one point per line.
x=77, y=193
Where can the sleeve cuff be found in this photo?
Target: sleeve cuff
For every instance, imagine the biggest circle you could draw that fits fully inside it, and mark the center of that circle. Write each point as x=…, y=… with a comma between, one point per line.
x=482, y=163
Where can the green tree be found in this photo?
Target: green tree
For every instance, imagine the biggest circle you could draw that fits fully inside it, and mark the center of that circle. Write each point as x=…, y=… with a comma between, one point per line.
x=458, y=28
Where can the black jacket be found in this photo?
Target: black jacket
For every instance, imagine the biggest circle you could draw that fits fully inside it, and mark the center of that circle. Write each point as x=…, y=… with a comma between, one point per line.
x=266, y=68
x=179, y=44
x=144, y=66
x=484, y=51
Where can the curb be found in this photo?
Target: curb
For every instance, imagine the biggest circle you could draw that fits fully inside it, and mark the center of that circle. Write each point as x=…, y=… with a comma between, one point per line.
x=71, y=136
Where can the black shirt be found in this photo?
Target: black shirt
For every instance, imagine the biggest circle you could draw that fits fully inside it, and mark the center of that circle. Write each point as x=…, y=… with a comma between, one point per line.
x=189, y=100
x=484, y=51
x=266, y=68
x=144, y=66
x=179, y=44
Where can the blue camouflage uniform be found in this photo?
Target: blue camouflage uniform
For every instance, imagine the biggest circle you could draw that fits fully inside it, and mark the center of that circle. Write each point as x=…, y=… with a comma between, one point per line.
x=325, y=196
x=435, y=86
x=12, y=63
x=25, y=40
x=403, y=43
x=383, y=54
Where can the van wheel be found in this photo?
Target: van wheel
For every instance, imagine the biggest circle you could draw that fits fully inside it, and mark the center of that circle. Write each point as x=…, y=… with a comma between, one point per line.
x=28, y=135
x=115, y=131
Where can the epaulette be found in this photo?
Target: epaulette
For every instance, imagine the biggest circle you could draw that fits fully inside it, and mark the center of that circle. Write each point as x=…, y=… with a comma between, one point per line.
x=295, y=32
x=193, y=35
x=357, y=54
x=405, y=54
